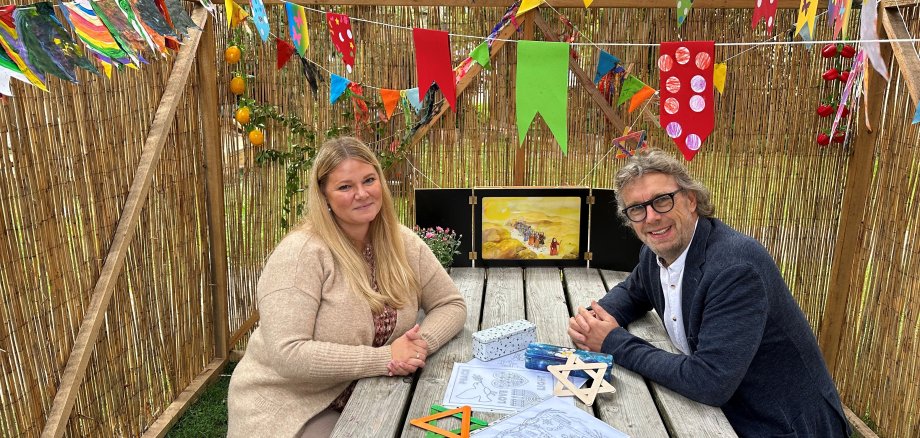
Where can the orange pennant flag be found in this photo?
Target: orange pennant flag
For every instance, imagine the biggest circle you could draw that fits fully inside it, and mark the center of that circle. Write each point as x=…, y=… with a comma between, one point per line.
x=640, y=96
x=390, y=99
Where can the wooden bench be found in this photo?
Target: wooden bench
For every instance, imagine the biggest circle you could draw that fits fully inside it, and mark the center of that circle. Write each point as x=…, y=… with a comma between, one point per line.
x=383, y=406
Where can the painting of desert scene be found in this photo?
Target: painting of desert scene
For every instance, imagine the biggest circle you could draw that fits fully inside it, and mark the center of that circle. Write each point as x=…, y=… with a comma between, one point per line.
x=530, y=228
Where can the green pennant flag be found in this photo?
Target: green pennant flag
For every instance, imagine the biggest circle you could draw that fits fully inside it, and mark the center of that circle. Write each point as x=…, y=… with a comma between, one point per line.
x=630, y=86
x=542, y=86
x=481, y=55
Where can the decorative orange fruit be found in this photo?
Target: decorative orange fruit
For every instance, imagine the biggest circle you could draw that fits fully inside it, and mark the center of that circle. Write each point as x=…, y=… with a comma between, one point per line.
x=232, y=54
x=256, y=137
x=237, y=85
x=242, y=115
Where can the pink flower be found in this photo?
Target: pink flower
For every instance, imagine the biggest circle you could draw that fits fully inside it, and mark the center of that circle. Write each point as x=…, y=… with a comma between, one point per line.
x=440, y=230
x=429, y=235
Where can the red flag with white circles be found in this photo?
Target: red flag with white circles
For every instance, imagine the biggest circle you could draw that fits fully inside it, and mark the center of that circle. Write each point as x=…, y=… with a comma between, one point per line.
x=342, y=38
x=686, y=91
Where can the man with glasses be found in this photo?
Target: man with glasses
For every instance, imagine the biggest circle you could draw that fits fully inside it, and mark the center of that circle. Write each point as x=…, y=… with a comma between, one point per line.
x=745, y=344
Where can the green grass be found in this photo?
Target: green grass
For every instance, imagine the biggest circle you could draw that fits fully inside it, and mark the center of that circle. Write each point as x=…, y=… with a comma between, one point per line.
x=207, y=417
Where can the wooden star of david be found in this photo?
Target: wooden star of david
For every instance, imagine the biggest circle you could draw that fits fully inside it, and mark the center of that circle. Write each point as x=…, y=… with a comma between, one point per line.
x=565, y=387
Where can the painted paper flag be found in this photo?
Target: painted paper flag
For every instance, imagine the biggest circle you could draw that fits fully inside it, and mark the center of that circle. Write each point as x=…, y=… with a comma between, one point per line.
x=856, y=72
x=342, y=38
x=605, y=63
x=115, y=20
x=297, y=27
x=179, y=18
x=51, y=49
x=433, y=64
x=641, y=96
x=413, y=97
x=90, y=29
x=686, y=110
x=481, y=55
x=541, y=87
x=235, y=14
x=630, y=87
x=150, y=15
x=766, y=10
x=869, y=34
x=805, y=24
x=916, y=115
x=285, y=50
x=260, y=19
x=718, y=76
x=9, y=70
x=683, y=9
x=841, y=17
x=155, y=41
x=12, y=44
x=337, y=86
x=390, y=99
x=527, y=5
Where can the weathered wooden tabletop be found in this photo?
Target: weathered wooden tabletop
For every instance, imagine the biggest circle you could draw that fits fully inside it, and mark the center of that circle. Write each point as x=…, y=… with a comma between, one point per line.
x=383, y=406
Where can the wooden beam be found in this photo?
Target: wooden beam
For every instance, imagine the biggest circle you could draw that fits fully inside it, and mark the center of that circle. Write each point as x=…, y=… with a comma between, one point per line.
x=247, y=325
x=846, y=249
x=898, y=3
x=465, y=81
x=858, y=425
x=72, y=377
x=661, y=4
x=904, y=52
x=583, y=79
x=214, y=187
x=174, y=411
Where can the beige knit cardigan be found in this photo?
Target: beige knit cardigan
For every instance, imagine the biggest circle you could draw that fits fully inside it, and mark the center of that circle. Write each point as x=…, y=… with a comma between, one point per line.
x=315, y=334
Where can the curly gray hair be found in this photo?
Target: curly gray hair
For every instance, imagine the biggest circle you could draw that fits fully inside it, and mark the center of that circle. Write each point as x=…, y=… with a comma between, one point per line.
x=653, y=160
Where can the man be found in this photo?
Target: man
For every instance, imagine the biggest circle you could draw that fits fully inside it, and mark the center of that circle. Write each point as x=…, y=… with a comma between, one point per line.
x=746, y=345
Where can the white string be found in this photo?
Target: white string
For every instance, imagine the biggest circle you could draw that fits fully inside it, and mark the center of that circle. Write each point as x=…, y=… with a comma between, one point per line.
x=601, y=160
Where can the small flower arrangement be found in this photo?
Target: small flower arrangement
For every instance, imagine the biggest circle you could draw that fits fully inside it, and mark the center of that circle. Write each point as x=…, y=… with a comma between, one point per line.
x=442, y=241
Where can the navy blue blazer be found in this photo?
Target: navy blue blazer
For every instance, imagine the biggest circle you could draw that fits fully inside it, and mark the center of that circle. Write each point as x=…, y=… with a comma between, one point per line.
x=752, y=352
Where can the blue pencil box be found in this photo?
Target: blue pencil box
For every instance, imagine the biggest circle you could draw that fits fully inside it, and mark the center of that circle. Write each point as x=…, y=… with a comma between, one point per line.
x=539, y=356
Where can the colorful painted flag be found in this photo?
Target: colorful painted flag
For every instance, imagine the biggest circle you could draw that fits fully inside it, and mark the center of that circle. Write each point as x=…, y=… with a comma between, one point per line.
x=856, y=72
x=481, y=55
x=805, y=24
x=641, y=96
x=297, y=27
x=916, y=115
x=390, y=100
x=841, y=17
x=51, y=49
x=179, y=18
x=683, y=10
x=686, y=111
x=337, y=86
x=117, y=23
x=342, y=38
x=869, y=34
x=13, y=45
x=766, y=10
x=719, y=72
x=9, y=70
x=285, y=50
x=413, y=97
x=260, y=19
x=605, y=63
x=433, y=63
x=541, y=87
x=155, y=41
x=90, y=29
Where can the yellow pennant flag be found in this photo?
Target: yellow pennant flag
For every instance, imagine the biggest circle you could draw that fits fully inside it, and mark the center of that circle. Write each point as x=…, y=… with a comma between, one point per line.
x=588, y=3
x=527, y=5
x=235, y=14
x=718, y=76
x=107, y=68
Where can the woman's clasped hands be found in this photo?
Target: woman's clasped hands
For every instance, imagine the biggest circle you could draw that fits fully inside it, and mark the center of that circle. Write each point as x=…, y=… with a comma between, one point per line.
x=408, y=353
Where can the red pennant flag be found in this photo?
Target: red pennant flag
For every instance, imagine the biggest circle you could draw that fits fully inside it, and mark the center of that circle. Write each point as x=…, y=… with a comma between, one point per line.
x=390, y=99
x=285, y=50
x=342, y=38
x=686, y=112
x=765, y=9
x=433, y=64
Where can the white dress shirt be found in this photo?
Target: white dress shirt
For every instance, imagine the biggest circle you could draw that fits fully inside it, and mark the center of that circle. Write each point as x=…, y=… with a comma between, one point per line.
x=672, y=278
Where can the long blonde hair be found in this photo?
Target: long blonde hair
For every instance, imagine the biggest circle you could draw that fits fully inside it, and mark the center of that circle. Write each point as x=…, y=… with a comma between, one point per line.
x=395, y=279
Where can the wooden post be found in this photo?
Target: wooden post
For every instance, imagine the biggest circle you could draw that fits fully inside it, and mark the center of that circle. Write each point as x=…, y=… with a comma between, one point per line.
x=846, y=250
x=214, y=175
x=75, y=370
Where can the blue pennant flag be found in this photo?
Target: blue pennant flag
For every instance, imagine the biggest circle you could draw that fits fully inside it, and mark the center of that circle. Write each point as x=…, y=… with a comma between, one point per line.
x=916, y=115
x=412, y=95
x=337, y=86
x=605, y=63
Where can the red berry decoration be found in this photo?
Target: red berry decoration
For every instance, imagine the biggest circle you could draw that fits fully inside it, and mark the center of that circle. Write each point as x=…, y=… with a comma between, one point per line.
x=831, y=74
x=847, y=51
x=839, y=137
x=823, y=139
x=825, y=110
x=829, y=51
x=844, y=76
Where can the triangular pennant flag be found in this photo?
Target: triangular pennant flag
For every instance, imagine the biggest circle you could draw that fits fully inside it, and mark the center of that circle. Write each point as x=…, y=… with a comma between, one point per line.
x=10, y=69
x=111, y=15
x=481, y=55
x=151, y=16
x=605, y=63
x=805, y=24
x=683, y=9
x=342, y=38
x=840, y=17
x=179, y=18
x=630, y=87
x=588, y=3
x=916, y=115
x=467, y=414
x=414, y=100
x=390, y=99
x=50, y=47
x=235, y=14
x=765, y=9
x=542, y=87
x=718, y=76
x=686, y=111
x=337, y=86
x=527, y=5
x=297, y=27
x=588, y=394
x=5, y=89
x=107, y=68
x=93, y=32
x=15, y=49
x=433, y=64
x=641, y=96
x=868, y=36
x=260, y=19
x=285, y=50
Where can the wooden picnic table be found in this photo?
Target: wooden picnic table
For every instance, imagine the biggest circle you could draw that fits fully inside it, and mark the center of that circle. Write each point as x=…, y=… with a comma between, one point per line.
x=383, y=406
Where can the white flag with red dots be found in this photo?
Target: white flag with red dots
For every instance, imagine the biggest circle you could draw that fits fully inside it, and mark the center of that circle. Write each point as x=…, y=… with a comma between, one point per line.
x=686, y=93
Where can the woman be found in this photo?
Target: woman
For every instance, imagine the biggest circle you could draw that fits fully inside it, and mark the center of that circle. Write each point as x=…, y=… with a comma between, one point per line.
x=338, y=300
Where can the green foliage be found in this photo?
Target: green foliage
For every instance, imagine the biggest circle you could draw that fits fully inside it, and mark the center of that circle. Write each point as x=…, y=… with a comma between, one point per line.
x=207, y=417
x=442, y=241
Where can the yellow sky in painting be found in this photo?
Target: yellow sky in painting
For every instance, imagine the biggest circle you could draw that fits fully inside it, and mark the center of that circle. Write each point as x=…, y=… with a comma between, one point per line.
x=501, y=209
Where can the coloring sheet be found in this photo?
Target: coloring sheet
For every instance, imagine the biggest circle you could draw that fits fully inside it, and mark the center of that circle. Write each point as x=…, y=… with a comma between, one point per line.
x=503, y=390
x=552, y=418
x=516, y=360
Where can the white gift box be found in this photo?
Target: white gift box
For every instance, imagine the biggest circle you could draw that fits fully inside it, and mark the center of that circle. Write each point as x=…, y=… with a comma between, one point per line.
x=503, y=339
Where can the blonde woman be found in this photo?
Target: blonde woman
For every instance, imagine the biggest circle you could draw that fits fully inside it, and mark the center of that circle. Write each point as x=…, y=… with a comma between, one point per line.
x=338, y=300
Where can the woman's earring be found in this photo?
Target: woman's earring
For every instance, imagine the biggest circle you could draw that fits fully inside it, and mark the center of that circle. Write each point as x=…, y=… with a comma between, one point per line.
x=328, y=207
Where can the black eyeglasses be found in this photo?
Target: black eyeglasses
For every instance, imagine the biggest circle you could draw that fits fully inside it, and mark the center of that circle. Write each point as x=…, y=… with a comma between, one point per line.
x=661, y=204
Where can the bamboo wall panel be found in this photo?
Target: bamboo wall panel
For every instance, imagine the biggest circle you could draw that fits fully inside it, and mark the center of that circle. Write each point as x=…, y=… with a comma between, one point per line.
x=68, y=157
